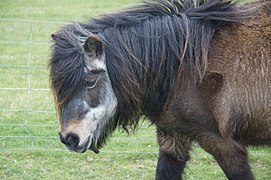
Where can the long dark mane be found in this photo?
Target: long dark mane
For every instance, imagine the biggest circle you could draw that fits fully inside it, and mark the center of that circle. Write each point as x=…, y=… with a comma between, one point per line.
x=148, y=49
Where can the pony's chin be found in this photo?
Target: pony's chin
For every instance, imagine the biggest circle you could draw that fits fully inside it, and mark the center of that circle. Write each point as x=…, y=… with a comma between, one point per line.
x=94, y=149
x=77, y=149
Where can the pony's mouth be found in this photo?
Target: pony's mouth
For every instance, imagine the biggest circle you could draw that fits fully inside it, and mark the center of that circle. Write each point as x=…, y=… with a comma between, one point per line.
x=81, y=149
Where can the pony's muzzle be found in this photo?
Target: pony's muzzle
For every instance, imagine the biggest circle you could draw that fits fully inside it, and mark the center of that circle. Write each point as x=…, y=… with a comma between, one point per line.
x=71, y=140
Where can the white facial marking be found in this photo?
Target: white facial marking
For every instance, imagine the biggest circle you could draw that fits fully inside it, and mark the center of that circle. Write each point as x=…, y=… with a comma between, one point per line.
x=97, y=63
x=96, y=118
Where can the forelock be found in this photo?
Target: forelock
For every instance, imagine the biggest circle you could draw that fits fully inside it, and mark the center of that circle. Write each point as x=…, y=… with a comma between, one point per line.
x=67, y=62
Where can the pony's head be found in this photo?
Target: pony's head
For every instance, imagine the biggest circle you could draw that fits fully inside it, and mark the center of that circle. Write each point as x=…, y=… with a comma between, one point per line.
x=83, y=93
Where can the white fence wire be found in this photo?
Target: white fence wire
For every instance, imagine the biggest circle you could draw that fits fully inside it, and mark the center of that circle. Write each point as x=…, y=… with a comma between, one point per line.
x=27, y=115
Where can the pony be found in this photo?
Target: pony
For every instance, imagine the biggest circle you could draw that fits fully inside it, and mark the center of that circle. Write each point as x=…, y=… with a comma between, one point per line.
x=199, y=70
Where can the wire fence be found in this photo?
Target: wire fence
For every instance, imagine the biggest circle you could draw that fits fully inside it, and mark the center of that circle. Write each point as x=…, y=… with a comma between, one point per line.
x=27, y=115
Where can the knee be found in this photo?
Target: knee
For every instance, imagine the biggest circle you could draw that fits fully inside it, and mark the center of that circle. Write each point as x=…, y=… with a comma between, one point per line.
x=174, y=144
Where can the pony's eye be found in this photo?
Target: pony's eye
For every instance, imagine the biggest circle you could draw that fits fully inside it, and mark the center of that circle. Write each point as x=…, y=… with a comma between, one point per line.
x=90, y=84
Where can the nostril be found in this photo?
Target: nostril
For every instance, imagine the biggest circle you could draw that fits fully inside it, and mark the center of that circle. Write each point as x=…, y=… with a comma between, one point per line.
x=72, y=140
x=62, y=139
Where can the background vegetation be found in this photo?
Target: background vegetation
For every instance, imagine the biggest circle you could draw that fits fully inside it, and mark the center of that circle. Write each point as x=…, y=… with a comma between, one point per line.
x=29, y=146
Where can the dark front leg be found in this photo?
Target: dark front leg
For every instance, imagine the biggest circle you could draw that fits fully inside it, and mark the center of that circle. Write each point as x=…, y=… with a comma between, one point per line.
x=173, y=155
x=169, y=167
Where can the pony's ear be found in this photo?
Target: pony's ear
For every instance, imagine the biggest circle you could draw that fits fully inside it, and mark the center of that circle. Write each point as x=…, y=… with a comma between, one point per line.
x=94, y=46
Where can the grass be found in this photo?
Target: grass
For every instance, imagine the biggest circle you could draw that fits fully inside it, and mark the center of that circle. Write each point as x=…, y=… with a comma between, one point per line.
x=29, y=147
x=65, y=165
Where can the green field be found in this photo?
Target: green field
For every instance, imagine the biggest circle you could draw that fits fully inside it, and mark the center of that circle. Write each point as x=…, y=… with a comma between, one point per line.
x=29, y=146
